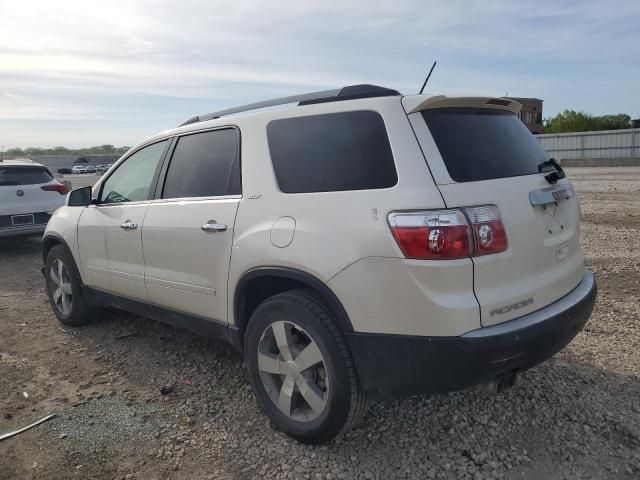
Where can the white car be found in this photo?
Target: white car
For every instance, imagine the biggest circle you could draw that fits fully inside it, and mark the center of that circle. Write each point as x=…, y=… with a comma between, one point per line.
x=359, y=244
x=78, y=169
x=28, y=197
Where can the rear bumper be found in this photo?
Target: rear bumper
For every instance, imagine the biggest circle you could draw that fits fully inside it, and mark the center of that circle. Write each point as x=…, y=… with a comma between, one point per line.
x=394, y=365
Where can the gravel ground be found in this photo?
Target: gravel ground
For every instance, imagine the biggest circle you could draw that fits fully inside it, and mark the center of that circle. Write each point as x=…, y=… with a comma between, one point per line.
x=576, y=416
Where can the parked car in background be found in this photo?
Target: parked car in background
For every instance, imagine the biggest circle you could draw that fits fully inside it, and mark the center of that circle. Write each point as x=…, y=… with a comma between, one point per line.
x=360, y=244
x=64, y=171
x=79, y=169
x=28, y=197
x=102, y=168
x=91, y=169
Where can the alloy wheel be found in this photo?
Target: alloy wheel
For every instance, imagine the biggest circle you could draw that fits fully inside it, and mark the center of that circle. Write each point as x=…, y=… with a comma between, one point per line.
x=293, y=371
x=61, y=289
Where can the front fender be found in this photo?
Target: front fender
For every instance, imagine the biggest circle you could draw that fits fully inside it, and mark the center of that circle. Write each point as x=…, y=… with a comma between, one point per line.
x=63, y=229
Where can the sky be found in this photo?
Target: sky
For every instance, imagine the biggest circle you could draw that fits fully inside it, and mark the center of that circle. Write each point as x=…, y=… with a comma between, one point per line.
x=85, y=72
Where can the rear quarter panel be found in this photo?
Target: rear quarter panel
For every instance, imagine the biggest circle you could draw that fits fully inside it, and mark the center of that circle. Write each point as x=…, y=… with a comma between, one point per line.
x=332, y=229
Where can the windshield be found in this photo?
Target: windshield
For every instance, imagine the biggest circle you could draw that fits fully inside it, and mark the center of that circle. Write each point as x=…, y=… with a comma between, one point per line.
x=483, y=144
x=24, y=176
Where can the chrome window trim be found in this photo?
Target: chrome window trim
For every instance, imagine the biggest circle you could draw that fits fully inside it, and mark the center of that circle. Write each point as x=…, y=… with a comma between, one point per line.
x=195, y=199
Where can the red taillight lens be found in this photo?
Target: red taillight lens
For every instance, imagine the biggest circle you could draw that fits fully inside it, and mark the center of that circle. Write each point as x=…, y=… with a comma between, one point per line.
x=488, y=232
x=449, y=234
x=56, y=187
x=432, y=235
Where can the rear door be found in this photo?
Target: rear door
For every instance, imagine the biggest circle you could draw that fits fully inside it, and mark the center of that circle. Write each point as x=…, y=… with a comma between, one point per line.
x=188, y=231
x=482, y=155
x=110, y=233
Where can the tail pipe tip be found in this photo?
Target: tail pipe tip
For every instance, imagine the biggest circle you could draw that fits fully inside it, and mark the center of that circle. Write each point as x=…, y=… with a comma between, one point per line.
x=500, y=384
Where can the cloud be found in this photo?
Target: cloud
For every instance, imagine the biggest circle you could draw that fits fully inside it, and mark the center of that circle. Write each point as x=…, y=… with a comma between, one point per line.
x=70, y=65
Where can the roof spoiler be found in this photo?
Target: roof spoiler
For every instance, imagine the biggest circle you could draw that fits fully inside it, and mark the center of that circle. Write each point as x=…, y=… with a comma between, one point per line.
x=417, y=104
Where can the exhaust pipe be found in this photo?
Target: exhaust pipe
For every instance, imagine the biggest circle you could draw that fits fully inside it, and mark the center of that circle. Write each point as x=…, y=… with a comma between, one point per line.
x=500, y=384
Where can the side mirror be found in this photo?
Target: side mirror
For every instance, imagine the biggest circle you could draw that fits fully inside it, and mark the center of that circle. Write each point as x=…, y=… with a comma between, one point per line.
x=80, y=197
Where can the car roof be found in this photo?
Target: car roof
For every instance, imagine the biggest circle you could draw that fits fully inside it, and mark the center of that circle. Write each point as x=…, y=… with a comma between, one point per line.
x=20, y=162
x=350, y=92
x=371, y=94
x=237, y=118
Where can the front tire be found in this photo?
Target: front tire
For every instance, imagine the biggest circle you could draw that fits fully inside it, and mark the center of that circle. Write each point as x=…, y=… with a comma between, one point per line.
x=301, y=369
x=65, y=290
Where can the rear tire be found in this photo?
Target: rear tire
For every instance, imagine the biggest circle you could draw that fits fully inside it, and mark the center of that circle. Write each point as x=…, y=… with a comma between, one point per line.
x=301, y=369
x=64, y=289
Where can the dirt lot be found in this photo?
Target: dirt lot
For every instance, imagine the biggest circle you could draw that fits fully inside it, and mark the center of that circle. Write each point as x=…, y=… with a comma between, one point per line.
x=576, y=416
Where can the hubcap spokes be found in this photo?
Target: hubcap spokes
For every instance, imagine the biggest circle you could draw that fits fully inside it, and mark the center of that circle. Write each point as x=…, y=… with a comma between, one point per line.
x=61, y=290
x=293, y=371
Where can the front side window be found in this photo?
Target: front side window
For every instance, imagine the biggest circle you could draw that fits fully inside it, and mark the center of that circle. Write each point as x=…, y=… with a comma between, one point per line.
x=205, y=164
x=331, y=152
x=131, y=181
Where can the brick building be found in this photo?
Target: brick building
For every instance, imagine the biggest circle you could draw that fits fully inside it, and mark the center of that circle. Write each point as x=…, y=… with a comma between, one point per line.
x=531, y=113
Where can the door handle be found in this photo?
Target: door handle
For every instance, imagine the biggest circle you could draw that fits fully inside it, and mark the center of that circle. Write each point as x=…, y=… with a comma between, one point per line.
x=212, y=227
x=129, y=225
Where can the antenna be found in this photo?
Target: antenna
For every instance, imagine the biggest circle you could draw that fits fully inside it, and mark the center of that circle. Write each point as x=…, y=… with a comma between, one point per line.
x=427, y=79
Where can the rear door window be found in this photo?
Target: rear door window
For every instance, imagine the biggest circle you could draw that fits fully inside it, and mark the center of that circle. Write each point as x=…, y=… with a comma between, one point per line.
x=24, y=176
x=332, y=152
x=205, y=164
x=483, y=144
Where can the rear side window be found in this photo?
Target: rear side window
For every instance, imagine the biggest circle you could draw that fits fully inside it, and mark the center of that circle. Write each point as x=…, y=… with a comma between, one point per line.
x=205, y=165
x=24, y=176
x=482, y=144
x=332, y=152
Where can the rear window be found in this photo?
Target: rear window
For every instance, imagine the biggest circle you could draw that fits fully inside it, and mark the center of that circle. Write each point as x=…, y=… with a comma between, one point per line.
x=331, y=152
x=24, y=175
x=482, y=144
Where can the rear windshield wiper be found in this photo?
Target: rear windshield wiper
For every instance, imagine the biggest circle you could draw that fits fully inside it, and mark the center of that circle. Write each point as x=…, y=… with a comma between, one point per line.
x=556, y=174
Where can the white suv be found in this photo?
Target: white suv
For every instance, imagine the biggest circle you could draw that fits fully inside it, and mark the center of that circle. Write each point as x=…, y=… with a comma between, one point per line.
x=28, y=196
x=360, y=244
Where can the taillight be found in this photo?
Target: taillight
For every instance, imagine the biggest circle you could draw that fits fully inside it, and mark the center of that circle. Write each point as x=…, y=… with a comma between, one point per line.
x=488, y=232
x=432, y=235
x=449, y=234
x=56, y=187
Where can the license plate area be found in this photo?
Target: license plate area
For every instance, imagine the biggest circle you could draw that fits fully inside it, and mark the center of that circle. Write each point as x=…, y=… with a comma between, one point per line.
x=22, y=220
x=554, y=194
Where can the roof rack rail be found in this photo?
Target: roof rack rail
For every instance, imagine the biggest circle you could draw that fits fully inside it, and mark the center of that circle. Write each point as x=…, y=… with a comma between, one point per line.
x=350, y=92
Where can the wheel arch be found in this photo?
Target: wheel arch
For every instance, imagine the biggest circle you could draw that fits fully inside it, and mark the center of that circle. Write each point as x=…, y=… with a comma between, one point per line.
x=51, y=240
x=258, y=284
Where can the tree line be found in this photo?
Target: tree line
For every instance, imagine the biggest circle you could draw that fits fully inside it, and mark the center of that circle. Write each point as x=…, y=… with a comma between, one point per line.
x=564, y=122
x=572, y=121
x=99, y=149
